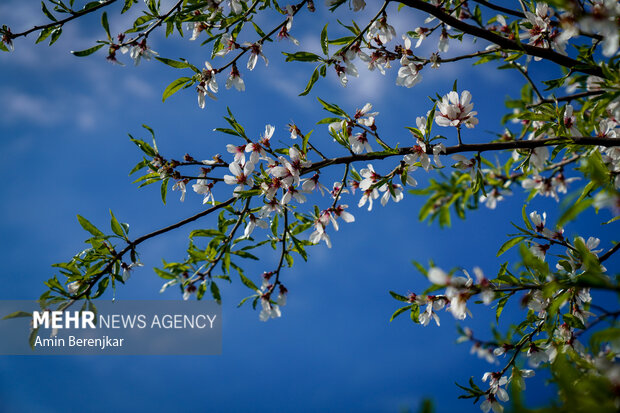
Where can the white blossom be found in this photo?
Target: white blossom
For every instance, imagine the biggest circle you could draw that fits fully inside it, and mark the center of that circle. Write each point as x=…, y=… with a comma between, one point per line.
x=456, y=112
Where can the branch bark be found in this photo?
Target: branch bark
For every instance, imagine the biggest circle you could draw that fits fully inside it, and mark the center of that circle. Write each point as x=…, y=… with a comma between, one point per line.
x=474, y=147
x=504, y=42
x=63, y=21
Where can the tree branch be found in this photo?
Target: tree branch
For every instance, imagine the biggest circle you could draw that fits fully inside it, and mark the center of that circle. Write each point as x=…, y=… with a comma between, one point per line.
x=501, y=9
x=131, y=245
x=609, y=253
x=568, y=98
x=504, y=42
x=63, y=21
x=474, y=147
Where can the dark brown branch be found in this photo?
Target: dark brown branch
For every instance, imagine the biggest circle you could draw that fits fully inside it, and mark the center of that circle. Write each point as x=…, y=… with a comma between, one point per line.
x=296, y=9
x=361, y=34
x=501, y=9
x=520, y=15
x=568, y=98
x=609, y=253
x=475, y=147
x=157, y=23
x=517, y=350
x=504, y=42
x=131, y=245
x=276, y=281
x=227, y=241
x=528, y=78
x=63, y=21
x=598, y=319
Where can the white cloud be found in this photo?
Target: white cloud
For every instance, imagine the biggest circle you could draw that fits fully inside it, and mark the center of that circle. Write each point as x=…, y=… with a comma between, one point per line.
x=19, y=106
x=138, y=87
x=46, y=111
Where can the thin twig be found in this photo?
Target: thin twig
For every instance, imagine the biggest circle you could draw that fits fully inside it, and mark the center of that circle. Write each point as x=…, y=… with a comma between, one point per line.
x=63, y=21
x=504, y=42
x=131, y=245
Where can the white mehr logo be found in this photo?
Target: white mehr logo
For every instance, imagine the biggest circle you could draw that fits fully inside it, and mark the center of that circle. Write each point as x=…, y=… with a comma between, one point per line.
x=63, y=319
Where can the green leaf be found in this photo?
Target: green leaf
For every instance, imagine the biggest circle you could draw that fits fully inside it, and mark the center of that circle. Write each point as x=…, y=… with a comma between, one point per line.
x=399, y=312
x=415, y=314
x=55, y=35
x=332, y=108
x=500, y=307
x=245, y=254
x=324, y=41
x=247, y=282
x=399, y=297
x=609, y=335
x=164, y=190
x=215, y=292
x=145, y=147
x=509, y=244
x=17, y=314
x=101, y=287
x=127, y=5
x=116, y=226
x=576, y=208
x=106, y=25
x=201, y=290
x=302, y=57
x=32, y=338
x=526, y=220
x=47, y=12
x=44, y=34
x=164, y=274
x=587, y=190
x=260, y=32
x=87, y=52
x=311, y=82
x=174, y=63
x=89, y=227
x=175, y=86
x=304, y=145
x=206, y=233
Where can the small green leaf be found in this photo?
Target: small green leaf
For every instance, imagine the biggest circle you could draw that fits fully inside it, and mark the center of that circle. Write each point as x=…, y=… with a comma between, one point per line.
x=47, y=12
x=399, y=297
x=174, y=63
x=526, y=220
x=44, y=34
x=89, y=227
x=175, y=86
x=201, y=290
x=33, y=337
x=17, y=314
x=500, y=307
x=311, y=82
x=106, y=25
x=302, y=57
x=248, y=283
x=509, y=244
x=324, y=41
x=215, y=292
x=127, y=5
x=55, y=35
x=87, y=52
x=116, y=226
x=399, y=312
x=164, y=189
x=205, y=233
x=145, y=147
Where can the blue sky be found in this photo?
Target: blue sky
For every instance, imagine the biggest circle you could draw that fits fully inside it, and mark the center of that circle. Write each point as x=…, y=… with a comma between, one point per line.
x=64, y=150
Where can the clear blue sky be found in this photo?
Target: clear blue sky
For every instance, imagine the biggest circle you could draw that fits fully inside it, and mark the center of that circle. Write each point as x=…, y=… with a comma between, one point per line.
x=64, y=150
